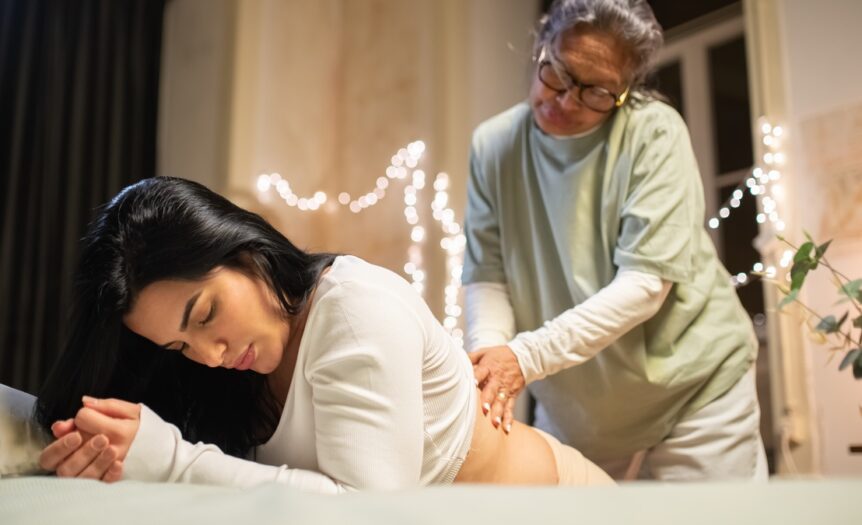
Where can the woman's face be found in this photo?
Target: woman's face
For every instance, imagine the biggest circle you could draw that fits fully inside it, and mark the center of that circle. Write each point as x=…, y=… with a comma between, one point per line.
x=227, y=319
x=592, y=57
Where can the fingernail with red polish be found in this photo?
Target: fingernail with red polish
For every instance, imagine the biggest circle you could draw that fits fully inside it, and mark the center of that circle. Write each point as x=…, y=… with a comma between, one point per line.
x=497, y=421
x=485, y=408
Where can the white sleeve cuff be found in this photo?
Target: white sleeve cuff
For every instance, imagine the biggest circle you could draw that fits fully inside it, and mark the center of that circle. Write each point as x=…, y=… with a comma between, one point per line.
x=154, y=446
x=490, y=317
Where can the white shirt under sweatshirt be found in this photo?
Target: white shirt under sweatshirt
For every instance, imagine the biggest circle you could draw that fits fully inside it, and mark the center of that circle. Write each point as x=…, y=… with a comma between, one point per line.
x=572, y=337
x=381, y=398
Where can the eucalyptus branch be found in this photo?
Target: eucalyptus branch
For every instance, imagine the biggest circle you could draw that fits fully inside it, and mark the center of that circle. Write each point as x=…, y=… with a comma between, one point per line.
x=808, y=257
x=847, y=337
x=837, y=274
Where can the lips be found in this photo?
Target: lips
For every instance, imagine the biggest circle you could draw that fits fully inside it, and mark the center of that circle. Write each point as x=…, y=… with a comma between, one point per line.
x=245, y=361
x=554, y=121
x=554, y=116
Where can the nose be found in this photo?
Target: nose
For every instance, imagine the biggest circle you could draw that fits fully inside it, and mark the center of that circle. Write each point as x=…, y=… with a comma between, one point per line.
x=209, y=351
x=570, y=99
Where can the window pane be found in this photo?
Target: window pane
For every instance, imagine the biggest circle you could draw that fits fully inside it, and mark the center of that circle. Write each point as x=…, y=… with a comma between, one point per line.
x=730, y=111
x=673, y=13
x=667, y=81
x=737, y=241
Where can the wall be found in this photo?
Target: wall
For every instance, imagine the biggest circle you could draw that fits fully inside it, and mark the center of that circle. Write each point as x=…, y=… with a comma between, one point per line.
x=824, y=120
x=197, y=49
x=324, y=92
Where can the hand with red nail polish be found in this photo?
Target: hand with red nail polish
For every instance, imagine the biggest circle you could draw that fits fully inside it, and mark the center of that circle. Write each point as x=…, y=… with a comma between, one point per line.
x=499, y=375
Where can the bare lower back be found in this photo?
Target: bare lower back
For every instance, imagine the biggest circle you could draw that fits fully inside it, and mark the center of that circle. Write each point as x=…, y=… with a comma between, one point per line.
x=521, y=457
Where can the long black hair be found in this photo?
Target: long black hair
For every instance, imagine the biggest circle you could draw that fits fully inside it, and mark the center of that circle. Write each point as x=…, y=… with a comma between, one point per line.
x=168, y=228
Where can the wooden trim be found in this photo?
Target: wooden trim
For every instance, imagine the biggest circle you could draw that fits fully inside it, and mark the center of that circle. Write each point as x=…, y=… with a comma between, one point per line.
x=792, y=400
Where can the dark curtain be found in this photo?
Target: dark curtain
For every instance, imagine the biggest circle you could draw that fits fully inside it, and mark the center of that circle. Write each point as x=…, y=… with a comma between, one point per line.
x=78, y=104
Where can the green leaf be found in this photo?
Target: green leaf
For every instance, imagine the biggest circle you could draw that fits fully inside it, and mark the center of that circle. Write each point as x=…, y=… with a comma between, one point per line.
x=851, y=289
x=843, y=318
x=798, y=272
x=830, y=325
x=789, y=298
x=857, y=367
x=850, y=357
x=821, y=250
x=804, y=252
x=827, y=325
x=807, y=236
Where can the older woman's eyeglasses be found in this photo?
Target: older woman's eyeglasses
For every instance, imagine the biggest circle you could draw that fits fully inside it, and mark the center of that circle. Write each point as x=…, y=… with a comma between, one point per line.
x=557, y=79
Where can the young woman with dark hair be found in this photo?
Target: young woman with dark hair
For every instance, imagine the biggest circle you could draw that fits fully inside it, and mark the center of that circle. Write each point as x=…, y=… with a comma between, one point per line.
x=208, y=348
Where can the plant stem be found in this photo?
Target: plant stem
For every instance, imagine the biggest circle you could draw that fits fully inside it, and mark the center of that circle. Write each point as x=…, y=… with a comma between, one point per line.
x=838, y=276
x=847, y=337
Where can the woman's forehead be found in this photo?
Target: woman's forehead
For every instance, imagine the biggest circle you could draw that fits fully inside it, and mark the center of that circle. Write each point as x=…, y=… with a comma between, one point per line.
x=592, y=53
x=160, y=304
x=163, y=291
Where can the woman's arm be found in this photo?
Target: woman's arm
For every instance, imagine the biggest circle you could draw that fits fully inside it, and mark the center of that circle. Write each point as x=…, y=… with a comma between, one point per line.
x=578, y=334
x=571, y=338
x=159, y=453
x=150, y=449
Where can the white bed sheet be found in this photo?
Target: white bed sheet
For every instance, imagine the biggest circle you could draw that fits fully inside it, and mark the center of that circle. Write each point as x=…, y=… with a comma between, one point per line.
x=53, y=500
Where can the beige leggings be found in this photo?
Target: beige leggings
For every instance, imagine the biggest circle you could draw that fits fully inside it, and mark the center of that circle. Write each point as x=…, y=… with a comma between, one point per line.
x=572, y=467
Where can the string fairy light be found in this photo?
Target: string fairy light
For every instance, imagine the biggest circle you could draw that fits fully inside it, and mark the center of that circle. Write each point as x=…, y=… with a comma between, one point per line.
x=403, y=165
x=763, y=182
x=453, y=243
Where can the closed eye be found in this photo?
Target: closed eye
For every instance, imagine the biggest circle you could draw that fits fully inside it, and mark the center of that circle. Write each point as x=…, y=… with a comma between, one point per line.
x=182, y=348
x=210, y=315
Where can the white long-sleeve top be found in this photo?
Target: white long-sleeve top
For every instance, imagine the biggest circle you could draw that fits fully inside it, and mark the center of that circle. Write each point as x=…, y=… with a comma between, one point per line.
x=381, y=398
x=572, y=337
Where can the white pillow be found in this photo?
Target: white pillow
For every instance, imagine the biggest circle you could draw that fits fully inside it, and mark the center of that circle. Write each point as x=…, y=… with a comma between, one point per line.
x=21, y=438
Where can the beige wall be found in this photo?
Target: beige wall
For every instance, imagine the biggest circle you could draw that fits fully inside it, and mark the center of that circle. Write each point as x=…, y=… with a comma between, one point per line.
x=821, y=41
x=194, y=96
x=324, y=92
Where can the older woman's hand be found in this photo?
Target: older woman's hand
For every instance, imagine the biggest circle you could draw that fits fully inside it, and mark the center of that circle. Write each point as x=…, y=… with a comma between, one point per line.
x=94, y=444
x=499, y=376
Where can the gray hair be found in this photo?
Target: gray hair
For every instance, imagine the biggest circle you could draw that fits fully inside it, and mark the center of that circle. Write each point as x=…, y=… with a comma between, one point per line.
x=630, y=21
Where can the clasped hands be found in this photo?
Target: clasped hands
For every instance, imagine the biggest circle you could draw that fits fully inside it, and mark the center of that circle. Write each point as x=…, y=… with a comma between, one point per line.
x=95, y=442
x=499, y=376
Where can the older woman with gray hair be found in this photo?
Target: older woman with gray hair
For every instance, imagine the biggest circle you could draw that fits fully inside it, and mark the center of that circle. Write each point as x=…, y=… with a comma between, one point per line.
x=589, y=275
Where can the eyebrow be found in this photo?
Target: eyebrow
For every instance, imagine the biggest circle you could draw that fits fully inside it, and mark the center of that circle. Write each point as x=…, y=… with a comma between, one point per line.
x=556, y=61
x=189, y=305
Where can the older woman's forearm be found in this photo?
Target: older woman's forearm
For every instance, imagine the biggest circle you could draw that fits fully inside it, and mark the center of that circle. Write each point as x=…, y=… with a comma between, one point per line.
x=578, y=334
